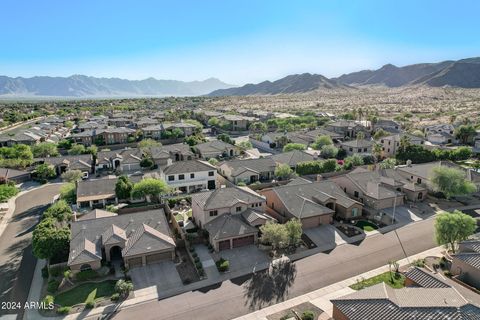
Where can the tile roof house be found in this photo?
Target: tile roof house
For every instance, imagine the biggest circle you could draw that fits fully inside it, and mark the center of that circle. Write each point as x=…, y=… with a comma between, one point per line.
x=96, y=192
x=440, y=133
x=361, y=147
x=292, y=158
x=383, y=302
x=230, y=215
x=418, y=277
x=466, y=263
x=190, y=176
x=127, y=159
x=391, y=144
x=314, y=203
x=137, y=238
x=387, y=125
x=20, y=137
x=103, y=136
x=248, y=170
x=378, y=190
x=82, y=162
x=177, y=151
x=216, y=149
x=17, y=176
x=348, y=128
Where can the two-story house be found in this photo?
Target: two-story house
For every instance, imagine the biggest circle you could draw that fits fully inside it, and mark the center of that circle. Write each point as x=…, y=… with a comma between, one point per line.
x=361, y=147
x=390, y=144
x=230, y=216
x=248, y=170
x=190, y=176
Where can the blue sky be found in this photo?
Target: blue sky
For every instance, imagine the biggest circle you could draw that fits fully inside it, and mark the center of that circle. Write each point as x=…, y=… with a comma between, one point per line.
x=235, y=41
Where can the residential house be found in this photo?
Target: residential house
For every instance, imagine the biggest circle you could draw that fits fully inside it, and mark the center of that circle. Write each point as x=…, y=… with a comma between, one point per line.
x=177, y=151
x=391, y=144
x=127, y=159
x=137, y=239
x=20, y=137
x=216, y=149
x=248, y=170
x=361, y=147
x=348, y=128
x=145, y=122
x=421, y=173
x=440, y=134
x=313, y=203
x=96, y=193
x=380, y=301
x=188, y=129
x=237, y=123
x=103, y=136
x=293, y=158
x=190, y=176
x=16, y=176
x=230, y=216
x=387, y=125
x=371, y=189
x=82, y=162
x=91, y=125
x=120, y=122
x=466, y=263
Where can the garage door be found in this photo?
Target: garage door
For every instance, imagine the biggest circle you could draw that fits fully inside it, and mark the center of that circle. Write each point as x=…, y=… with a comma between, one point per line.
x=224, y=245
x=135, y=262
x=243, y=241
x=159, y=257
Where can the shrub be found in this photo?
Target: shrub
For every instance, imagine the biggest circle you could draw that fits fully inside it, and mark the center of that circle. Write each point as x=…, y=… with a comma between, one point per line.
x=63, y=310
x=222, y=265
x=194, y=255
x=308, y=315
x=52, y=286
x=123, y=288
x=191, y=249
x=7, y=191
x=86, y=275
x=45, y=272
x=56, y=271
x=198, y=265
x=90, y=304
x=115, y=297
x=196, y=259
x=48, y=300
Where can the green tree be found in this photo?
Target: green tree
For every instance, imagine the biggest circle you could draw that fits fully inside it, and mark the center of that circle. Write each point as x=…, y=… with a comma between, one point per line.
x=123, y=187
x=377, y=150
x=294, y=231
x=77, y=149
x=283, y=171
x=460, y=153
x=150, y=188
x=49, y=240
x=275, y=234
x=360, y=135
x=45, y=149
x=245, y=145
x=146, y=162
x=294, y=146
x=213, y=122
x=258, y=127
x=93, y=149
x=177, y=133
x=328, y=151
x=353, y=161
x=45, y=172
x=65, y=144
x=68, y=192
x=388, y=163
x=451, y=228
x=380, y=133
x=60, y=211
x=322, y=141
x=465, y=133
x=225, y=138
x=213, y=161
x=146, y=144
x=72, y=175
x=329, y=165
x=451, y=182
x=7, y=191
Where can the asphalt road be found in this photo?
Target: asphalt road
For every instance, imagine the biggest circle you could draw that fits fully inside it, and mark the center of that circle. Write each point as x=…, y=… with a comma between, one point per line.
x=243, y=295
x=17, y=262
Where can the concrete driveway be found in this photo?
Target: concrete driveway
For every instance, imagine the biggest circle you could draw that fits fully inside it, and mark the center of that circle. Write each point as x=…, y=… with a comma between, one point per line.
x=326, y=236
x=243, y=258
x=162, y=275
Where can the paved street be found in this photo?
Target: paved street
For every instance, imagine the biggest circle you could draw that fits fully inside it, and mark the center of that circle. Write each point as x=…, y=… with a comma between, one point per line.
x=243, y=295
x=16, y=260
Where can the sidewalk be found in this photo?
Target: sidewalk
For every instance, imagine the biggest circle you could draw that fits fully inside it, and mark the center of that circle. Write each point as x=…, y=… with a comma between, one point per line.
x=321, y=297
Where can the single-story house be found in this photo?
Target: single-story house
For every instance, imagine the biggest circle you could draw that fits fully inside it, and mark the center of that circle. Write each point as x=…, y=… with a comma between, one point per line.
x=466, y=263
x=96, y=192
x=138, y=239
x=216, y=149
x=248, y=170
x=17, y=176
x=293, y=158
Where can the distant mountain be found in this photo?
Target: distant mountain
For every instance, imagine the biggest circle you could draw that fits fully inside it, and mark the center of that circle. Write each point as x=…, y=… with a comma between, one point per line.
x=83, y=86
x=297, y=83
x=462, y=73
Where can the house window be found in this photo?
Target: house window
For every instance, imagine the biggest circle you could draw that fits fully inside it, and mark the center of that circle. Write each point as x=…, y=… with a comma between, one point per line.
x=211, y=173
x=171, y=178
x=354, y=212
x=238, y=209
x=420, y=196
x=192, y=175
x=364, y=149
x=350, y=149
x=181, y=177
x=355, y=194
x=253, y=205
x=213, y=213
x=359, y=149
x=382, y=141
x=419, y=180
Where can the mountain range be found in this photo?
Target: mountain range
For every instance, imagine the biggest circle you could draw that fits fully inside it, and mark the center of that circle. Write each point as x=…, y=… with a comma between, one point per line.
x=463, y=73
x=83, y=86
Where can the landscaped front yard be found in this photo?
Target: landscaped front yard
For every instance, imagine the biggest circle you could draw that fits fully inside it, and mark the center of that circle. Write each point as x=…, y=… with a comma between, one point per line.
x=86, y=292
x=387, y=277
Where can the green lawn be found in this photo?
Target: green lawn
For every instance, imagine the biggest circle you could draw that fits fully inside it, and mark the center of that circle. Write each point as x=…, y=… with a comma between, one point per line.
x=85, y=292
x=366, y=225
x=398, y=281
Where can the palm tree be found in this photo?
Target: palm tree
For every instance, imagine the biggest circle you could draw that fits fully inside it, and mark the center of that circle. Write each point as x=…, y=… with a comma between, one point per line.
x=377, y=151
x=404, y=142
